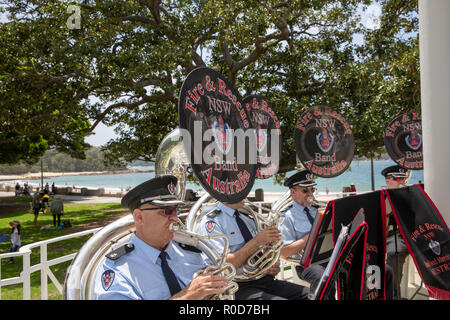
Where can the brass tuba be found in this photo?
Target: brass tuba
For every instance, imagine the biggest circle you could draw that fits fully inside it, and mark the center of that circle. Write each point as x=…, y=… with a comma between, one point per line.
x=280, y=205
x=257, y=264
x=171, y=159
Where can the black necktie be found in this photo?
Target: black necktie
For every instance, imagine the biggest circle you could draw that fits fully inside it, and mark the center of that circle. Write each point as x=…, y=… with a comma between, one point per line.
x=243, y=227
x=171, y=280
x=308, y=215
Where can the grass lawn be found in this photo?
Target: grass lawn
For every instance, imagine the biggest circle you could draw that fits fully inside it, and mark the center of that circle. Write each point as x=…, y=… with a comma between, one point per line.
x=79, y=215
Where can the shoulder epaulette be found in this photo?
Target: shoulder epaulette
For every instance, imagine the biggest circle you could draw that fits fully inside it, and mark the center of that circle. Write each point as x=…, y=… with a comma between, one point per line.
x=189, y=247
x=214, y=212
x=121, y=251
x=287, y=208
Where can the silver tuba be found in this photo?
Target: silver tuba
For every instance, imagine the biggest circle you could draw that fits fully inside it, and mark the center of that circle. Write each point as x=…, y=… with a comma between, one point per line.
x=171, y=159
x=83, y=272
x=257, y=264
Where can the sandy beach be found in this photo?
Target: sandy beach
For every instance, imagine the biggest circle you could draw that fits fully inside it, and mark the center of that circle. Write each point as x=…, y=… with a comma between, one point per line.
x=268, y=197
x=37, y=175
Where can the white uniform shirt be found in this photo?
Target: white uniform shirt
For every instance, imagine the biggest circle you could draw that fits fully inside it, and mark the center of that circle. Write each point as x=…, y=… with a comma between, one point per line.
x=137, y=275
x=15, y=235
x=225, y=223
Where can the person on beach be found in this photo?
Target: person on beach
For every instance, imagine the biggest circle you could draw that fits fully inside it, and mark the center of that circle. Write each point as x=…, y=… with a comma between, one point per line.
x=352, y=190
x=296, y=223
x=57, y=210
x=152, y=266
x=18, y=192
x=36, y=206
x=15, y=238
x=397, y=252
x=45, y=202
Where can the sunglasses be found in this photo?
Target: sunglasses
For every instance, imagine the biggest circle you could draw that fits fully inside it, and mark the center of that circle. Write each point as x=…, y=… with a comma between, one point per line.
x=310, y=189
x=399, y=179
x=167, y=210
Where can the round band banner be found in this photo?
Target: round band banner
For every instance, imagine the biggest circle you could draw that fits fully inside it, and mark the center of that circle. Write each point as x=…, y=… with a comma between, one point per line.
x=217, y=134
x=403, y=141
x=268, y=135
x=324, y=141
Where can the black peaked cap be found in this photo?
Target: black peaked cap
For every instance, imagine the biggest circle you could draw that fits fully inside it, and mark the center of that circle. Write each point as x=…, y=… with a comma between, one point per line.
x=302, y=178
x=395, y=171
x=159, y=191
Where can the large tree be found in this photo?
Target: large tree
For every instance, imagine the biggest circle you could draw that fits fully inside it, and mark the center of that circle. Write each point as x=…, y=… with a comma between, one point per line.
x=126, y=63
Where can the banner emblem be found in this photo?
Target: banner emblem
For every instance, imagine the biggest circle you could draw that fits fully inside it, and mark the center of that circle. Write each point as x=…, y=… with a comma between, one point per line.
x=261, y=139
x=222, y=135
x=414, y=140
x=324, y=140
x=435, y=247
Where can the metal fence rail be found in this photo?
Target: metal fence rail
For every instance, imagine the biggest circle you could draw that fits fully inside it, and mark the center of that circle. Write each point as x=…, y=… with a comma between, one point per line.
x=43, y=266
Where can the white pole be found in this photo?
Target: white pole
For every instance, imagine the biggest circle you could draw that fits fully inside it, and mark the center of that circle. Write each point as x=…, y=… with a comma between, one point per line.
x=25, y=275
x=44, y=278
x=434, y=44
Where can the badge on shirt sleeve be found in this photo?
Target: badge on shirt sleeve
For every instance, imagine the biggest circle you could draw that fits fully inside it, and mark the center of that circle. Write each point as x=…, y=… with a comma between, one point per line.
x=209, y=226
x=107, y=279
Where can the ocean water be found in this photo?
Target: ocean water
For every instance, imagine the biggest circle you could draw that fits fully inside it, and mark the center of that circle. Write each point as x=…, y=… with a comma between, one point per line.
x=359, y=175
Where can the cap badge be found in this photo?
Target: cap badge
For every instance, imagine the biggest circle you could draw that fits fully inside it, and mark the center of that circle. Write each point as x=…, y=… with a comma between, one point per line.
x=171, y=188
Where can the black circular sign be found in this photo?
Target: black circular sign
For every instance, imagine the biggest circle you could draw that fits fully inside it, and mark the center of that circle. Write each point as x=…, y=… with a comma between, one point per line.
x=217, y=133
x=403, y=141
x=268, y=135
x=324, y=141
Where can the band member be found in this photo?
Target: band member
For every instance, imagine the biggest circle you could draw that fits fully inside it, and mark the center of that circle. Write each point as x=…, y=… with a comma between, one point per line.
x=296, y=222
x=152, y=266
x=244, y=241
x=396, y=249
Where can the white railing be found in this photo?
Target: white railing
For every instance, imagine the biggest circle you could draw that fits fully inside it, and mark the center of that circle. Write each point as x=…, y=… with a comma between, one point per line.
x=43, y=266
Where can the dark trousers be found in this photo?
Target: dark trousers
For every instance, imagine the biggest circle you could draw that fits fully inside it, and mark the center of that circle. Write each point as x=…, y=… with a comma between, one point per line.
x=396, y=257
x=312, y=275
x=389, y=282
x=268, y=288
x=11, y=249
x=54, y=219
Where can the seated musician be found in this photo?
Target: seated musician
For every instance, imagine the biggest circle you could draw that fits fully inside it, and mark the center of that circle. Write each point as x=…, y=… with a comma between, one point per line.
x=152, y=266
x=296, y=222
x=245, y=241
x=397, y=252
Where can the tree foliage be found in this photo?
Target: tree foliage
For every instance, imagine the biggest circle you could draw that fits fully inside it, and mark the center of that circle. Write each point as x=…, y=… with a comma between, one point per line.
x=126, y=64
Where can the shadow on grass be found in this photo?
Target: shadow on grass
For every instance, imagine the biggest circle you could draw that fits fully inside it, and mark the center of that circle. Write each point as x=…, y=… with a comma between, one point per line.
x=79, y=214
